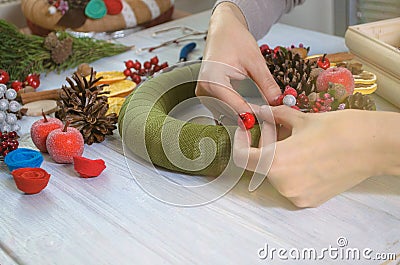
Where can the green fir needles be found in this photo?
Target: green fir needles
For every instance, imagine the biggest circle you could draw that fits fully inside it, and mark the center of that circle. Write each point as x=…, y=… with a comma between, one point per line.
x=21, y=54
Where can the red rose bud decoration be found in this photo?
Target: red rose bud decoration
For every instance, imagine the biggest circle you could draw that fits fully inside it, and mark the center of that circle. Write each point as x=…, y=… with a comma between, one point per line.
x=31, y=180
x=4, y=77
x=88, y=168
x=246, y=120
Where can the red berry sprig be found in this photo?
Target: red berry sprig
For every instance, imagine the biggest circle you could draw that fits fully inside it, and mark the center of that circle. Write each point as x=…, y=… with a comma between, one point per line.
x=246, y=120
x=136, y=71
x=8, y=142
x=323, y=103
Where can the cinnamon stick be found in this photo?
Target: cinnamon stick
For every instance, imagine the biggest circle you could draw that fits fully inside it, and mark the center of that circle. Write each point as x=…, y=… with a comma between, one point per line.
x=42, y=95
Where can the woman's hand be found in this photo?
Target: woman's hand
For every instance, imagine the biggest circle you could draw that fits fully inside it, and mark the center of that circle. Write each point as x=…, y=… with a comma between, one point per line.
x=326, y=154
x=230, y=43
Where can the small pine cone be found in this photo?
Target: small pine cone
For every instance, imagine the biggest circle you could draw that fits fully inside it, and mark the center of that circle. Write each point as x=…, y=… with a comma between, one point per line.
x=62, y=51
x=360, y=101
x=50, y=41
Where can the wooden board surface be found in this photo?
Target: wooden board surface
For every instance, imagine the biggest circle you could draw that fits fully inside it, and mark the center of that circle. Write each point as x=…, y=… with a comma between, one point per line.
x=111, y=220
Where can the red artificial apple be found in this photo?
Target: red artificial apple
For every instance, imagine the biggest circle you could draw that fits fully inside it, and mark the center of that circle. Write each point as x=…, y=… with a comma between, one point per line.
x=63, y=144
x=336, y=75
x=40, y=130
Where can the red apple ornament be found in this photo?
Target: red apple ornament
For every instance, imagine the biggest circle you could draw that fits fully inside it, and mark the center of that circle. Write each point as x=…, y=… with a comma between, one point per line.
x=40, y=130
x=63, y=144
x=337, y=75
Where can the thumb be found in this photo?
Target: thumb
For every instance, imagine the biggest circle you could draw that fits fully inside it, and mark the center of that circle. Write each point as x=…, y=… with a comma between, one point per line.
x=283, y=115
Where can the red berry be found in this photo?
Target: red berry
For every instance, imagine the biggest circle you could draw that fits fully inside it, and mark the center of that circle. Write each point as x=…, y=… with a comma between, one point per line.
x=4, y=77
x=164, y=65
x=279, y=100
x=5, y=152
x=17, y=85
x=137, y=65
x=142, y=72
x=12, y=135
x=277, y=49
x=154, y=60
x=136, y=78
x=247, y=120
x=265, y=49
x=129, y=64
x=33, y=80
x=127, y=72
x=147, y=65
x=156, y=68
x=295, y=107
x=290, y=91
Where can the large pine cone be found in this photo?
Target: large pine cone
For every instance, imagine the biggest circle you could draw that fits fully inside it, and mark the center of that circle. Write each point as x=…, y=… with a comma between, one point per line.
x=289, y=69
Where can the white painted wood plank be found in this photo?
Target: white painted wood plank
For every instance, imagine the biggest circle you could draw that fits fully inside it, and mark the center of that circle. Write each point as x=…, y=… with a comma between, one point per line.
x=111, y=220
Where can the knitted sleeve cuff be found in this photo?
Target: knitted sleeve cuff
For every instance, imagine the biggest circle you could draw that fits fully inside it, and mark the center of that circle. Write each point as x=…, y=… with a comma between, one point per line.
x=260, y=15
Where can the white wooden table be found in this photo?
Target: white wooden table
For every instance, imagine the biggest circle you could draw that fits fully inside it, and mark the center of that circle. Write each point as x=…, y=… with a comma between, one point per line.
x=111, y=220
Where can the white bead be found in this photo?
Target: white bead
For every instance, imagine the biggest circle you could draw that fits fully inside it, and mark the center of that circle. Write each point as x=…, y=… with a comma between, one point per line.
x=3, y=104
x=52, y=10
x=11, y=94
x=2, y=116
x=289, y=100
x=16, y=127
x=3, y=88
x=6, y=128
x=11, y=118
x=14, y=106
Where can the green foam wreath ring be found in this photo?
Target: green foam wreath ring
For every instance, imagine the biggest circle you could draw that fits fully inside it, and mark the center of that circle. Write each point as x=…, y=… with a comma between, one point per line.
x=150, y=133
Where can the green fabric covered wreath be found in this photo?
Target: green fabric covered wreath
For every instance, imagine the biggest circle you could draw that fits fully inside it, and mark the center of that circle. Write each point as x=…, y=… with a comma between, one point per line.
x=150, y=133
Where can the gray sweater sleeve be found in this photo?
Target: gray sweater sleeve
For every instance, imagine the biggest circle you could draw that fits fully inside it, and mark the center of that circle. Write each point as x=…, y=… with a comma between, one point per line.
x=262, y=14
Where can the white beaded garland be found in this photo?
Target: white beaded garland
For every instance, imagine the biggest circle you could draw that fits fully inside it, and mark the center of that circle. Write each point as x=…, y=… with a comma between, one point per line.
x=3, y=89
x=3, y=104
x=11, y=94
x=2, y=116
x=15, y=127
x=11, y=118
x=14, y=106
x=289, y=100
x=6, y=128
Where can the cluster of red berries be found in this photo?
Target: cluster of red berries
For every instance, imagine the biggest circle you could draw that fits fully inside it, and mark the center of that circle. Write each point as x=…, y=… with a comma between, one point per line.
x=32, y=80
x=136, y=71
x=8, y=142
x=323, y=104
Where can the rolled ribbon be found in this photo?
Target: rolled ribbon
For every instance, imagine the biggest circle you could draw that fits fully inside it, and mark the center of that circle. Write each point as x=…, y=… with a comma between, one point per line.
x=31, y=180
x=22, y=158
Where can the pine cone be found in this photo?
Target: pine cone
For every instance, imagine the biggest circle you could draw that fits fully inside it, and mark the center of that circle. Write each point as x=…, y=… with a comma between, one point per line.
x=50, y=41
x=61, y=51
x=360, y=101
x=289, y=68
x=85, y=106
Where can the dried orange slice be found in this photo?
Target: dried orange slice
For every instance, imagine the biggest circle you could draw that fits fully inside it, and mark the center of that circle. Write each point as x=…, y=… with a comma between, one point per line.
x=366, y=88
x=120, y=88
x=115, y=104
x=110, y=77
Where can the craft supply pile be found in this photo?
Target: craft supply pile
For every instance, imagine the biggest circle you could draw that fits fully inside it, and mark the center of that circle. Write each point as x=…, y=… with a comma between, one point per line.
x=87, y=104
